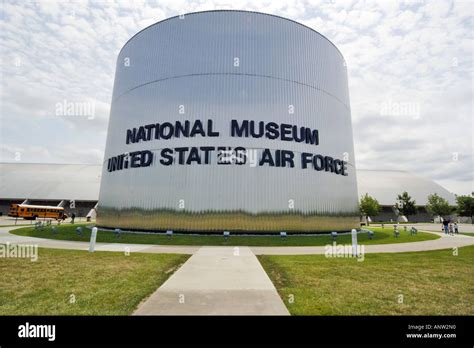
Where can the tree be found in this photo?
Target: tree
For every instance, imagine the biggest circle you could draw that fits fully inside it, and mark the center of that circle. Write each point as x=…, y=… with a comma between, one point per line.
x=369, y=206
x=405, y=205
x=465, y=206
x=438, y=205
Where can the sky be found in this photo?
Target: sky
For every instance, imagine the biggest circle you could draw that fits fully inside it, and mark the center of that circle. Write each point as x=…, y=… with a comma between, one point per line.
x=410, y=67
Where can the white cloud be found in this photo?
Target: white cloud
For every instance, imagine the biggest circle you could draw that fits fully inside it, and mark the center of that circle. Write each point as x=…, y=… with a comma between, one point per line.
x=417, y=52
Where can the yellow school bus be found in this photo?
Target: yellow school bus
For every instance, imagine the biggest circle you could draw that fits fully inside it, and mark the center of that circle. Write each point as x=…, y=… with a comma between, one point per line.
x=31, y=212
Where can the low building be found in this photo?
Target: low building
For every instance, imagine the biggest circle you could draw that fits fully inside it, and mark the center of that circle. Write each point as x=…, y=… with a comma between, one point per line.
x=78, y=185
x=386, y=185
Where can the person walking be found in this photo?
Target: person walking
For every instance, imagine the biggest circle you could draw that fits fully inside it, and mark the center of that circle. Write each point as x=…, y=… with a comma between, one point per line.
x=73, y=216
x=445, y=226
x=456, y=229
x=451, y=229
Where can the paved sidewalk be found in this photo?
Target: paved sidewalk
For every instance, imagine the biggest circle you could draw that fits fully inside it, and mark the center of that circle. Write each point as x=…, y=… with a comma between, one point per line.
x=445, y=242
x=5, y=237
x=217, y=281
x=463, y=228
x=223, y=280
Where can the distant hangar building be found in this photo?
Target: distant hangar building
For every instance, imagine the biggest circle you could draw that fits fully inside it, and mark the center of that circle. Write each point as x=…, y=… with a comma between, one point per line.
x=49, y=184
x=386, y=185
x=76, y=186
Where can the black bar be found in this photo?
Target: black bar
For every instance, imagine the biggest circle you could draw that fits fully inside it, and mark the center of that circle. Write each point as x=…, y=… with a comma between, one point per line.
x=225, y=330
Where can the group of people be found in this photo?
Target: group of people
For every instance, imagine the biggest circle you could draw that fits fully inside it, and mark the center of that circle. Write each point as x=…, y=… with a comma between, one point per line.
x=449, y=227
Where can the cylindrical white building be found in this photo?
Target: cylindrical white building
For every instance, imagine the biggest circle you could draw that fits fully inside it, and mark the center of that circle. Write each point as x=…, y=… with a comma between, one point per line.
x=229, y=120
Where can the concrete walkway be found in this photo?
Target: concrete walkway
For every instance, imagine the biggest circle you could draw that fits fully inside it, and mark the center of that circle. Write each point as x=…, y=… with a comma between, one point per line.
x=463, y=228
x=5, y=237
x=217, y=281
x=223, y=280
x=445, y=242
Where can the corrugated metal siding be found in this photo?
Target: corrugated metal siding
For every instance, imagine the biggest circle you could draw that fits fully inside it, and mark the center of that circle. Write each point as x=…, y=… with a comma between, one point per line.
x=190, y=62
x=82, y=182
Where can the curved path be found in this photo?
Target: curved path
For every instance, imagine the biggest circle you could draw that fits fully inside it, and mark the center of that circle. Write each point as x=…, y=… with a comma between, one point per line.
x=445, y=242
x=222, y=280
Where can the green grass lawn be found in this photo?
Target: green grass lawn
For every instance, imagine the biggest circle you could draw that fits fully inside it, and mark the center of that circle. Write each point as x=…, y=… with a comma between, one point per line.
x=67, y=232
x=103, y=283
x=431, y=283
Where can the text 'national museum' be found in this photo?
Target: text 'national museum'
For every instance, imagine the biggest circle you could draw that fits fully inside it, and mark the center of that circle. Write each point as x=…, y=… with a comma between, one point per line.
x=229, y=120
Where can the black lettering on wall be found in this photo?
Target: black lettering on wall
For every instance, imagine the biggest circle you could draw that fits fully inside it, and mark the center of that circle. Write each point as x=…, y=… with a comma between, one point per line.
x=166, y=157
x=236, y=131
x=131, y=134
